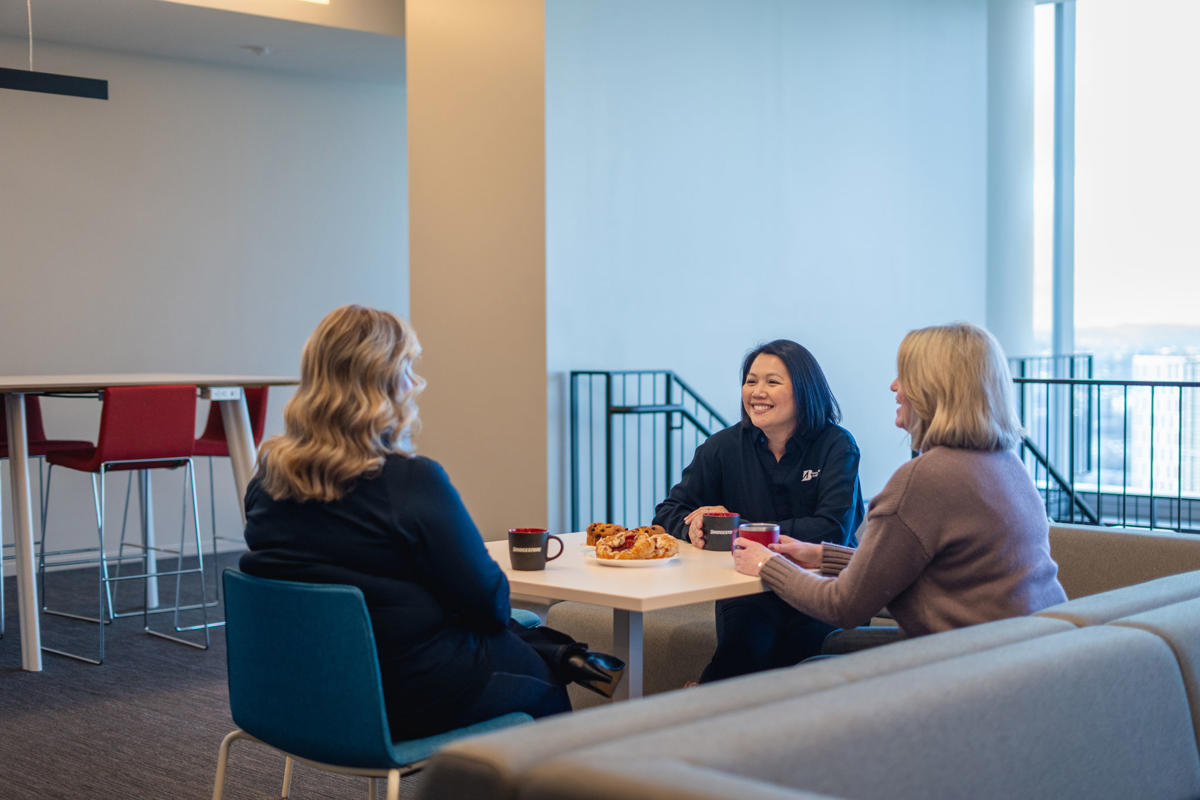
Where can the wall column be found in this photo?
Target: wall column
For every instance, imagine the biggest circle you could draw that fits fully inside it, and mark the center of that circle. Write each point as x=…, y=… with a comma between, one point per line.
x=1010, y=175
x=476, y=136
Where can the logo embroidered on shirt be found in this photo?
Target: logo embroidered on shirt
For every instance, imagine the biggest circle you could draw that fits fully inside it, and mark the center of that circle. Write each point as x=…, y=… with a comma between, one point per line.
x=809, y=474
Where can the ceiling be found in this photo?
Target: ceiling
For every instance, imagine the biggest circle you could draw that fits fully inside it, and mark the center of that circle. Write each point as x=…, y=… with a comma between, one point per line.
x=170, y=30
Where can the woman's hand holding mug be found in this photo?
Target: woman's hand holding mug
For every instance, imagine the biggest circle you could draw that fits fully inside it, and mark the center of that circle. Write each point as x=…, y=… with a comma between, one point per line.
x=806, y=554
x=749, y=556
x=695, y=522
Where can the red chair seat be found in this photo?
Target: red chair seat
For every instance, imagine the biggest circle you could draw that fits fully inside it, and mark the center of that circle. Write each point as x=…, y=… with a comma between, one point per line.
x=84, y=459
x=213, y=443
x=39, y=445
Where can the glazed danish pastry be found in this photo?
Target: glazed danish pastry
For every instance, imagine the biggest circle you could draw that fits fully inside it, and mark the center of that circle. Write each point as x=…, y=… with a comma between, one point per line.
x=637, y=544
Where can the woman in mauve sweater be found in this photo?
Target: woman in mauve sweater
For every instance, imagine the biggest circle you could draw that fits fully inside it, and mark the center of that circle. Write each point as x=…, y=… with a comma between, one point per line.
x=959, y=534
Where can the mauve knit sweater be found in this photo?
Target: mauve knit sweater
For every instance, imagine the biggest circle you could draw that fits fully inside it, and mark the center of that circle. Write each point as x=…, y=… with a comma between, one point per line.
x=957, y=537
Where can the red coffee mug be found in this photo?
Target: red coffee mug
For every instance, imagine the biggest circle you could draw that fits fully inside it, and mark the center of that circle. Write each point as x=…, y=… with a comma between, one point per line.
x=764, y=533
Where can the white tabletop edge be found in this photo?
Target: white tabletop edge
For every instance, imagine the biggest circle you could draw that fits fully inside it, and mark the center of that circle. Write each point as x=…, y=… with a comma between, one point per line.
x=533, y=585
x=93, y=382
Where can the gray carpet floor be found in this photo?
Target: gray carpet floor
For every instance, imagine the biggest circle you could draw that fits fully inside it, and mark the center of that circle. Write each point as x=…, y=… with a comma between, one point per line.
x=145, y=724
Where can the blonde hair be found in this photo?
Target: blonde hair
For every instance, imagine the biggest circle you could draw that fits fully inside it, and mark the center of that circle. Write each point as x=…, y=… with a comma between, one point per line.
x=958, y=385
x=356, y=402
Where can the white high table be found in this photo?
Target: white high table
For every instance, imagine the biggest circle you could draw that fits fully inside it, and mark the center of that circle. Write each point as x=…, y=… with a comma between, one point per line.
x=695, y=576
x=225, y=389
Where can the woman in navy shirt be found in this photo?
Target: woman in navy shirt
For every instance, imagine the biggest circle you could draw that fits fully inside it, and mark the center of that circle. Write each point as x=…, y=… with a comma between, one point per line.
x=789, y=462
x=339, y=498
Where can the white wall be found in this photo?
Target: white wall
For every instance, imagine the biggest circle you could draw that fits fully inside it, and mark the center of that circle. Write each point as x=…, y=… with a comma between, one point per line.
x=719, y=174
x=202, y=219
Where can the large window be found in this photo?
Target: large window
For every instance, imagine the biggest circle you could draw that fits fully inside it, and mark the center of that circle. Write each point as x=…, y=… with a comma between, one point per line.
x=1117, y=262
x=1117, y=268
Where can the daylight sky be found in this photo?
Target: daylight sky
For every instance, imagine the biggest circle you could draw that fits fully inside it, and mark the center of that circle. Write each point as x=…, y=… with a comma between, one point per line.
x=1137, y=255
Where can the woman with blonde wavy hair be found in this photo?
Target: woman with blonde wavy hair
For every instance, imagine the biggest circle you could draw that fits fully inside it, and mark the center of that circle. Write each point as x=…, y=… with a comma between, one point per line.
x=340, y=498
x=959, y=535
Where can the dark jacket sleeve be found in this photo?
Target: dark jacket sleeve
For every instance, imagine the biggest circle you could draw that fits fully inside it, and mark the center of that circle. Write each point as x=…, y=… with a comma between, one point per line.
x=699, y=485
x=461, y=574
x=838, y=510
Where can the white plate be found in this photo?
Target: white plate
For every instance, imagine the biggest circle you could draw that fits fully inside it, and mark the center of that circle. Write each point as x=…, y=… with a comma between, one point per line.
x=630, y=562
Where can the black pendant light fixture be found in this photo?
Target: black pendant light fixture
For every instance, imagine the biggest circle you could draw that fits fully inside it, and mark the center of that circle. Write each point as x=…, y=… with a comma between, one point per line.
x=29, y=80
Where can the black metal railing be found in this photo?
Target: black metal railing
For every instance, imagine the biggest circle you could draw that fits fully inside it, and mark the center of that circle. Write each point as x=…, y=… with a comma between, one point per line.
x=1034, y=416
x=632, y=433
x=1129, y=456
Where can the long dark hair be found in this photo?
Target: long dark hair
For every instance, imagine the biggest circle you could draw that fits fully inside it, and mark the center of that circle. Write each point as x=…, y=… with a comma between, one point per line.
x=816, y=406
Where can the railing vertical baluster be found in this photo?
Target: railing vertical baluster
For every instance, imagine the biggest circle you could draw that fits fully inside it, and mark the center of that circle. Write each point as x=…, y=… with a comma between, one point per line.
x=669, y=462
x=654, y=473
x=1125, y=456
x=1099, y=492
x=1153, y=505
x=1047, y=444
x=639, y=454
x=1071, y=425
x=574, y=454
x=608, y=448
x=592, y=444
x=1179, y=468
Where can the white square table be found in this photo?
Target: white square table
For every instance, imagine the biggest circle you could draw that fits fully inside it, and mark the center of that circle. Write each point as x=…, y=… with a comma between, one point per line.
x=224, y=389
x=695, y=576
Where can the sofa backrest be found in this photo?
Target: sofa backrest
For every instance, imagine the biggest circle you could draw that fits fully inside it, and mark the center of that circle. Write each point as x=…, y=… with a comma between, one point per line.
x=492, y=766
x=1098, y=712
x=1097, y=609
x=1096, y=559
x=1179, y=626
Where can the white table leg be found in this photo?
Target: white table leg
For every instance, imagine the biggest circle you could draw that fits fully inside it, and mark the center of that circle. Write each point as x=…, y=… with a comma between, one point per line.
x=236, y=418
x=146, y=508
x=18, y=471
x=627, y=641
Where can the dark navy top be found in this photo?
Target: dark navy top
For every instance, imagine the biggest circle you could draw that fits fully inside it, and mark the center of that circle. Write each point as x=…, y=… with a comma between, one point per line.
x=434, y=594
x=812, y=492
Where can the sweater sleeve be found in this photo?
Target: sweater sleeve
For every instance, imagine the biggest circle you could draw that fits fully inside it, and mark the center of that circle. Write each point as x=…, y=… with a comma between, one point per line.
x=839, y=501
x=886, y=564
x=467, y=582
x=834, y=558
x=699, y=485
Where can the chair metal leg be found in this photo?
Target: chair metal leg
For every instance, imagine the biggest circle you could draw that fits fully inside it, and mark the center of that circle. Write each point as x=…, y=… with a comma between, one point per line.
x=101, y=584
x=212, y=507
x=223, y=761
x=393, y=784
x=179, y=572
x=121, y=550
x=287, y=777
x=370, y=789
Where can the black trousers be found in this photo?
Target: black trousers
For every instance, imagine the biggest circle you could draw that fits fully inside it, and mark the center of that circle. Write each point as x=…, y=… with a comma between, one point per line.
x=759, y=632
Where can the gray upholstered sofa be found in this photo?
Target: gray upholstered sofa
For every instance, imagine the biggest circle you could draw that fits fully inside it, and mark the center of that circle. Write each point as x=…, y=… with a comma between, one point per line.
x=1033, y=707
x=679, y=641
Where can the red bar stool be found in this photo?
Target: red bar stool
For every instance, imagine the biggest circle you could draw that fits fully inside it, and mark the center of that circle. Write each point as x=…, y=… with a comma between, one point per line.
x=141, y=428
x=212, y=443
x=39, y=446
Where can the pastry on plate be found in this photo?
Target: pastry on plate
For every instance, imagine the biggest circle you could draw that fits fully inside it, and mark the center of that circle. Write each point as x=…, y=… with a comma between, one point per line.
x=598, y=530
x=637, y=544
